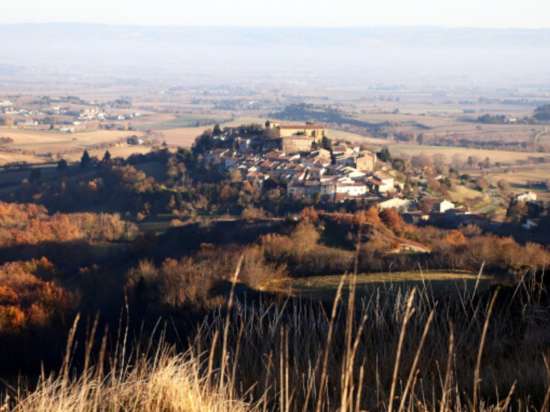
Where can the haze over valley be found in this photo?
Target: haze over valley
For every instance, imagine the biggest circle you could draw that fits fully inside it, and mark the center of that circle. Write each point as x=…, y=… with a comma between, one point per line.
x=352, y=58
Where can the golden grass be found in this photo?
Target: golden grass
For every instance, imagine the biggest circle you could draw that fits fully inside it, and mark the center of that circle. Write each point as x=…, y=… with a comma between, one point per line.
x=325, y=286
x=461, y=193
x=166, y=383
x=476, y=200
x=400, y=352
x=413, y=276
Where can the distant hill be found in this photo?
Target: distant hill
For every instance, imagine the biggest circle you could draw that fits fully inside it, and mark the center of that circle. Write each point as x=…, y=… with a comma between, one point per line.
x=542, y=113
x=311, y=113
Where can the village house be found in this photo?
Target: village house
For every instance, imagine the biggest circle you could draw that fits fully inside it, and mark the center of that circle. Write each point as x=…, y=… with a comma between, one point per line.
x=243, y=145
x=381, y=183
x=319, y=157
x=277, y=131
x=351, y=172
x=295, y=144
x=344, y=155
x=328, y=187
x=526, y=197
x=303, y=189
x=135, y=140
x=444, y=206
x=295, y=138
x=347, y=187
x=401, y=205
x=216, y=157
x=366, y=161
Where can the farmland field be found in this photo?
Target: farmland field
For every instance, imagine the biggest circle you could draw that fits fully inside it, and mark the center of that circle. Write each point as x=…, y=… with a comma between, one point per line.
x=38, y=140
x=503, y=156
x=35, y=146
x=184, y=121
x=353, y=137
x=181, y=137
x=185, y=136
x=8, y=157
x=452, y=125
x=522, y=179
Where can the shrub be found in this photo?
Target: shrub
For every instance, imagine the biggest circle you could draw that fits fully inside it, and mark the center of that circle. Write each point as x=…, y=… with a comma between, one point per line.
x=30, y=224
x=28, y=296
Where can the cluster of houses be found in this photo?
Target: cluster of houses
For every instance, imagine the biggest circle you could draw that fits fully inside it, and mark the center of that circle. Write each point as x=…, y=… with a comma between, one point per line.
x=73, y=116
x=6, y=106
x=95, y=113
x=294, y=155
x=299, y=157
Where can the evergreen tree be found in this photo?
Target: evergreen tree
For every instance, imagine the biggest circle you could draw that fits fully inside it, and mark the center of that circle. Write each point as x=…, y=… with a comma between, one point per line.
x=384, y=155
x=62, y=165
x=107, y=157
x=217, y=130
x=326, y=143
x=85, y=160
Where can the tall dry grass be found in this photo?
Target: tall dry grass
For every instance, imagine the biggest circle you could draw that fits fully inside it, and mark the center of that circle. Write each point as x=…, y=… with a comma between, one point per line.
x=156, y=380
x=394, y=350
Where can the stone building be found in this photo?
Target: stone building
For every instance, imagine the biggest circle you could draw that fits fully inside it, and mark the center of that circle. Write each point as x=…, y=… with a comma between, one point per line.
x=366, y=161
x=308, y=129
x=295, y=137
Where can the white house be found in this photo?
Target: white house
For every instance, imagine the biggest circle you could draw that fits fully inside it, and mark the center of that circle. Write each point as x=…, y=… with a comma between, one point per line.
x=526, y=197
x=348, y=187
x=445, y=206
x=353, y=173
x=382, y=183
x=395, y=203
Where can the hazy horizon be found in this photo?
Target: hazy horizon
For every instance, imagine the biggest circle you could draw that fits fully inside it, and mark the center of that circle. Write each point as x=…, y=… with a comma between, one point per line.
x=228, y=25
x=348, y=57
x=284, y=13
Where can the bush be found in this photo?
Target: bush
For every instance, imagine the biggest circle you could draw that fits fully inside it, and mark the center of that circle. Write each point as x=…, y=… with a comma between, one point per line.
x=30, y=224
x=28, y=296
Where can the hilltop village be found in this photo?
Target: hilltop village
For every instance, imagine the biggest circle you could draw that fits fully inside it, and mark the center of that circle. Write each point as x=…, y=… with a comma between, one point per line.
x=273, y=170
x=306, y=160
x=316, y=169
x=311, y=166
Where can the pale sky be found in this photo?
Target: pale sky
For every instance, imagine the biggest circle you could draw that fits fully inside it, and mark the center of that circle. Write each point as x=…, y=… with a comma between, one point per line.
x=319, y=13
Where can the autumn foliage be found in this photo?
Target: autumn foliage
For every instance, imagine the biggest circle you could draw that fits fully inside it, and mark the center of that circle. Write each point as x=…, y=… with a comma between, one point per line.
x=28, y=296
x=31, y=224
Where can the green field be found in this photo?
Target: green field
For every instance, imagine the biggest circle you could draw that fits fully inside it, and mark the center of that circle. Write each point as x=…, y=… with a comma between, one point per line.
x=324, y=287
x=187, y=120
